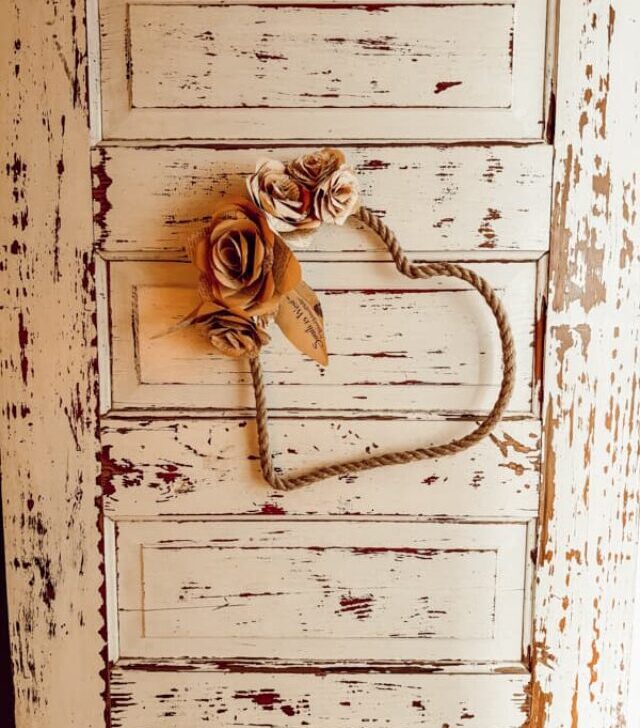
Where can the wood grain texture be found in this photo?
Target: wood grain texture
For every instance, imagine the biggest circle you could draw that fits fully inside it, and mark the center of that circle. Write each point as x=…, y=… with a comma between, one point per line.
x=435, y=346
x=310, y=71
x=210, y=466
x=284, y=56
x=589, y=535
x=324, y=590
x=226, y=699
x=587, y=556
x=48, y=374
x=465, y=195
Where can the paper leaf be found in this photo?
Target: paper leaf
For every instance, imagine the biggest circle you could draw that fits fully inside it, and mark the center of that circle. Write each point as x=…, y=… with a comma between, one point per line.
x=192, y=318
x=300, y=318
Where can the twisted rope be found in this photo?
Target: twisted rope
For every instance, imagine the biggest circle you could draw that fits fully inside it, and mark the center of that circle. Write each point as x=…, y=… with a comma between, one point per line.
x=411, y=270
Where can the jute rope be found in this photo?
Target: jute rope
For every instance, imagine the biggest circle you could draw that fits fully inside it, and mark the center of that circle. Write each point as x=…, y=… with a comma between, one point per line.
x=411, y=270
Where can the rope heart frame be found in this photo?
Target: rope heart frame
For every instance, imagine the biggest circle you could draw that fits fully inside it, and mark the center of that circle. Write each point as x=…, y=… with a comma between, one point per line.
x=309, y=211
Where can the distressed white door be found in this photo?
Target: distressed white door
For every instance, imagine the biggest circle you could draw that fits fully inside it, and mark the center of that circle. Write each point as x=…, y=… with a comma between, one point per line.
x=430, y=595
x=397, y=597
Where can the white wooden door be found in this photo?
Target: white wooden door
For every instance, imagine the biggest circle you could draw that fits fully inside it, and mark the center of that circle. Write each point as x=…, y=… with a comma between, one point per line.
x=397, y=597
x=429, y=595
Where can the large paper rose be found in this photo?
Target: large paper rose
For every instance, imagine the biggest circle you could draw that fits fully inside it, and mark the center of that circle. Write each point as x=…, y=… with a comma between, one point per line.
x=337, y=196
x=244, y=266
x=313, y=168
x=235, y=335
x=286, y=203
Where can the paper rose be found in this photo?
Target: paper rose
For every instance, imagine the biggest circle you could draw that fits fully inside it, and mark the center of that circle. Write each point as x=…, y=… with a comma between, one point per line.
x=235, y=335
x=249, y=278
x=313, y=168
x=286, y=203
x=244, y=266
x=337, y=196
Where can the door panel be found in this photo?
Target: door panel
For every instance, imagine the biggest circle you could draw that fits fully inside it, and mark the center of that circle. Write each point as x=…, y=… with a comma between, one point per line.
x=282, y=71
x=324, y=591
x=241, y=695
x=385, y=54
x=206, y=466
x=435, y=345
x=453, y=198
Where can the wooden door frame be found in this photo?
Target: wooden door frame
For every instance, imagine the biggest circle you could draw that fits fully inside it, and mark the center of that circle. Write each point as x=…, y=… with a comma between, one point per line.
x=589, y=525
x=588, y=538
x=48, y=366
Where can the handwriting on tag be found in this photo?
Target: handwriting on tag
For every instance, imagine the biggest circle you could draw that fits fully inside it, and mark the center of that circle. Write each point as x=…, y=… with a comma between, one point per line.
x=300, y=318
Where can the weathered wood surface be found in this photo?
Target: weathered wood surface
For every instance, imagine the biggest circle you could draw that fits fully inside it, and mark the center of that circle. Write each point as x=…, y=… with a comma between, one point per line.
x=210, y=466
x=309, y=697
x=588, y=538
x=589, y=535
x=425, y=591
x=312, y=57
x=323, y=590
x=404, y=344
x=435, y=198
x=47, y=368
x=411, y=70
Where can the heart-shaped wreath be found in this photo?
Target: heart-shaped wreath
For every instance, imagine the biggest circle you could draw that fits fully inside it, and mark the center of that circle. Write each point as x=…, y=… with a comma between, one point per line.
x=249, y=278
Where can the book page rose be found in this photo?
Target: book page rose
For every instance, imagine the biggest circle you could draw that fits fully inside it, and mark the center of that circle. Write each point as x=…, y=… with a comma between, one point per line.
x=313, y=168
x=244, y=266
x=235, y=335
x=286, y=203
x=337, y=196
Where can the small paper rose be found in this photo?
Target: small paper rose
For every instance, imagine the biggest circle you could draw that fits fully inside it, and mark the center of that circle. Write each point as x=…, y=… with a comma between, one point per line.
x=235, y=335
x=244, y=266
x=337, y=196
x=286, y=203
x=313, y=168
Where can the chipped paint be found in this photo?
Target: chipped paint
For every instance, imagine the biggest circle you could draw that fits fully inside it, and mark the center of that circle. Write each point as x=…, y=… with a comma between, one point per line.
x=307, y=694
x=317, y=591
x=444, y=85
x=100, y=189
x=587, y=556
x=454, y=186
x=576, y=663
x=135, y=451
x=435, y=373
x=401, y=67
x=48, y=370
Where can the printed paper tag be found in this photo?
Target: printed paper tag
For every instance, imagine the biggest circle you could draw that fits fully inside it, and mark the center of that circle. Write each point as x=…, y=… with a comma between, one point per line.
x=300, y=318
